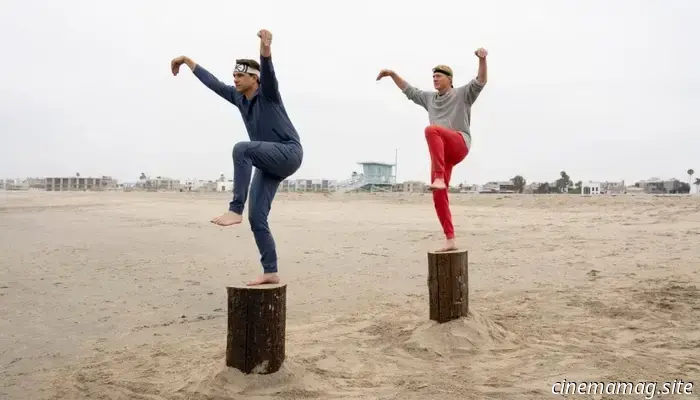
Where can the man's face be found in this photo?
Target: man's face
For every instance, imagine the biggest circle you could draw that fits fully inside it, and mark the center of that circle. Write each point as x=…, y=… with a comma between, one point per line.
x=441, y=81
x=243, y=81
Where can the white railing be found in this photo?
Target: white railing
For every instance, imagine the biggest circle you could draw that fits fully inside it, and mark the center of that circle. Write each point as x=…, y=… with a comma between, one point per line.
x=350, y=184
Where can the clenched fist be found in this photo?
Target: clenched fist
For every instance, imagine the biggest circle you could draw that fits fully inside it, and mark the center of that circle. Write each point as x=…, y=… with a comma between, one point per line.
x=265, y=37
x=481, y=52
x=175, y=64
x=383, y=73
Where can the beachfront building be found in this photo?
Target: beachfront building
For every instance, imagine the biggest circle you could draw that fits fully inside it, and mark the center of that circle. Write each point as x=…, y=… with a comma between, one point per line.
x=498, y=187
x=194, y=185
x=660, y=186
x=590, y=188
x=13, y=184
x=60, y=184
x=224, y=186
x=613, y=187
x=469, y=188
x=412, y=187
x=158, y=183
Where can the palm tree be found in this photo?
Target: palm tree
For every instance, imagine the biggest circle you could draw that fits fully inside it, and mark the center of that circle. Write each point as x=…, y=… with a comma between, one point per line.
x=690, y=176
x=697, y=185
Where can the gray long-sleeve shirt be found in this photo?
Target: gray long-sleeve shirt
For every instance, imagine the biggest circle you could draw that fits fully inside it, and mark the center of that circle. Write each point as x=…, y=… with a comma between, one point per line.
x=452, y=110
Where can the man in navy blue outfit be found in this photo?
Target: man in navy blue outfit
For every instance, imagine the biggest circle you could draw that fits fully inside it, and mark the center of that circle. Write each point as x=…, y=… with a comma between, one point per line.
x=274, y=148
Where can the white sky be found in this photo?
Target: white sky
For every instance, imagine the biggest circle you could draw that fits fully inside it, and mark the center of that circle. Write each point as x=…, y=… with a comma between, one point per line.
x=601, y=89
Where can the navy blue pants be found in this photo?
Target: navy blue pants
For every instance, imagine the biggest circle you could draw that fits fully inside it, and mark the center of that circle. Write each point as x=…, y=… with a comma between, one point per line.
x=274, y=162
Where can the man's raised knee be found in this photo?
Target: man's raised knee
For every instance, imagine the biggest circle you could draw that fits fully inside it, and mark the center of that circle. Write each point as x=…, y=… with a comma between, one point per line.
x=239, y=149
x=431, y=130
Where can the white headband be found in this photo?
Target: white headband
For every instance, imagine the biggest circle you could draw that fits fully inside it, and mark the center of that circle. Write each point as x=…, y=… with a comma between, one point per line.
x=246, y=70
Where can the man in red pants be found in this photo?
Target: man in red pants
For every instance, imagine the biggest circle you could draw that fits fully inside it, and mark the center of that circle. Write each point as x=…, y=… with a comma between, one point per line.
x=448, y=135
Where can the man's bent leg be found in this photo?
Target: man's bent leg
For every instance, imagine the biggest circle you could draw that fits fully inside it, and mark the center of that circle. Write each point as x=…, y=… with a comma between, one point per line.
x=276, y=159
x=262, y=192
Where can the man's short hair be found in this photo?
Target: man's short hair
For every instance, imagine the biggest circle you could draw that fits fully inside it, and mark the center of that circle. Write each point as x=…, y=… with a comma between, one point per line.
x=248, y=62
x=443, y=69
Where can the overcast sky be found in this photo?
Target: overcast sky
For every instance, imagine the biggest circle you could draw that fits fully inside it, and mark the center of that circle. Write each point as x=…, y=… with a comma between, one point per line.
x=602, y=89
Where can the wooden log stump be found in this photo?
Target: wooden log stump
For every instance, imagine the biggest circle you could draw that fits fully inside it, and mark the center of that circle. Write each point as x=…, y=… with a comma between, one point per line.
x=448, y=285
x=257, y=317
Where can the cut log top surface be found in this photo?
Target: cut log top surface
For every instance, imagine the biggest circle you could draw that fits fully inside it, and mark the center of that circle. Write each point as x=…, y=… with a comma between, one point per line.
x=448, y=252
x=266, y=286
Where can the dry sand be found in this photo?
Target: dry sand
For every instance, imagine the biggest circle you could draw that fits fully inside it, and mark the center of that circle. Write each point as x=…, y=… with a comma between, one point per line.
x=122, y=296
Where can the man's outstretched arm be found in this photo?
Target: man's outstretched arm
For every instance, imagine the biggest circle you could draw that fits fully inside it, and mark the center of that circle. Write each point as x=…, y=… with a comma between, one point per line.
x=268, y=78
x=416, y=95
x=227, y=92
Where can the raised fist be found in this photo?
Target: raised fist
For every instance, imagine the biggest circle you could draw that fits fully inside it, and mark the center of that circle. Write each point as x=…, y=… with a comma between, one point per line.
x=175, y=64
x=481, y=52
x=265, y=37
x=383, y=73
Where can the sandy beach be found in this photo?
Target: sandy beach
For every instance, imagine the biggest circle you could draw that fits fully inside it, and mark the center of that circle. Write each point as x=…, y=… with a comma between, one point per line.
x=122, y=296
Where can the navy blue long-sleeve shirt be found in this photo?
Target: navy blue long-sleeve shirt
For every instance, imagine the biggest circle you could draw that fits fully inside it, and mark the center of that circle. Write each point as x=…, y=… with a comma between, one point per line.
x=264, y=114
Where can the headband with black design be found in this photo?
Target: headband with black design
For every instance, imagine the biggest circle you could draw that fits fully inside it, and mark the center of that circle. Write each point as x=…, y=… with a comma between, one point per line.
x=246, y=69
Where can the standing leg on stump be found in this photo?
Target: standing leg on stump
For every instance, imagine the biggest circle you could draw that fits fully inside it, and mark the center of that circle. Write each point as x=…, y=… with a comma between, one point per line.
x=262, y=192
x=442, y=208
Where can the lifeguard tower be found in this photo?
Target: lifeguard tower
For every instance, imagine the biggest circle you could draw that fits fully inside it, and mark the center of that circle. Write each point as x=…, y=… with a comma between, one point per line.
x=375, y=177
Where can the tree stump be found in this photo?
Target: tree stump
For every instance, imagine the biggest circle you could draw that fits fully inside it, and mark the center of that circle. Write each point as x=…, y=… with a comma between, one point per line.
x=448, y=285
x=256, y=328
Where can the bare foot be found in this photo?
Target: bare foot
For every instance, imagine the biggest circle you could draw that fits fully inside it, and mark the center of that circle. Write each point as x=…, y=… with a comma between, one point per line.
x=438, y=184
x=449, y=246
x=230, y=218
x=265, y=278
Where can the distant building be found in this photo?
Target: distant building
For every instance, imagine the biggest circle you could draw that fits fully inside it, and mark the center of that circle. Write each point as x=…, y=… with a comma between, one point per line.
x=613, y=187
x=590, y=188
x=412, y=187
x=224, y=186
x=13, y=184
x=292, y=185
x=194, y=185
x=74, y=183
x=35, y=183
x=498, y=187
x=470, y=188
x=659, y=186
x=159, y=183
x=307, y=185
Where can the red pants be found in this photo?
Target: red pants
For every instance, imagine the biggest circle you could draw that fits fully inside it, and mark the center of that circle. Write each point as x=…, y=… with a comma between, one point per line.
x=447, y=149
